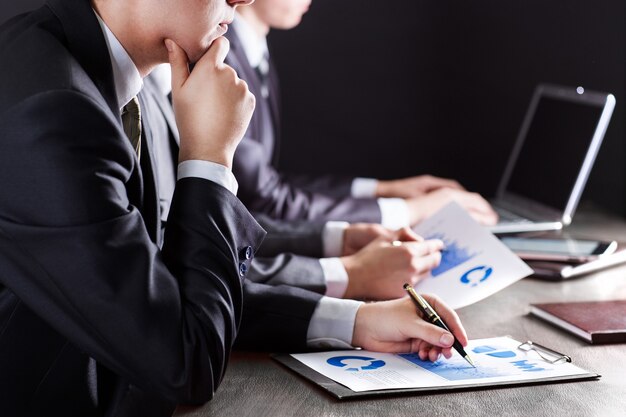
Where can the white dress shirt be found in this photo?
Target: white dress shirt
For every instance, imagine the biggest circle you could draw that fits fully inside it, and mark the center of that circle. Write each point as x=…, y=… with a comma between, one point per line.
x=126, y=77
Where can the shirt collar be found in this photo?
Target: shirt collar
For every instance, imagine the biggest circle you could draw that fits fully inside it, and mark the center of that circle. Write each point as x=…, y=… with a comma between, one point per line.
x=254, y=46
x=162, y=77
x=126, y=76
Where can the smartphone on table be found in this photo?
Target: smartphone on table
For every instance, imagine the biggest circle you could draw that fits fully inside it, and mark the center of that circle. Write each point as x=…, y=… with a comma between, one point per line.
x=562, y=250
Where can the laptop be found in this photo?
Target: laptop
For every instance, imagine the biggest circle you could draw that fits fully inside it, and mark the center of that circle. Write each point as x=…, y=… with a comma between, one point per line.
x=552, y=158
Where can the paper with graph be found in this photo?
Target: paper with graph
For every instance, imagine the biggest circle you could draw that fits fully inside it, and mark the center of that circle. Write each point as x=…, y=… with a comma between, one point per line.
x=474, y=263
x=498, y=360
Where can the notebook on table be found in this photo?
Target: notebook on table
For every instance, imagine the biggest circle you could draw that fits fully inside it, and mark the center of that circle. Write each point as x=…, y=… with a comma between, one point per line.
x=552, y=158
x=596, y=321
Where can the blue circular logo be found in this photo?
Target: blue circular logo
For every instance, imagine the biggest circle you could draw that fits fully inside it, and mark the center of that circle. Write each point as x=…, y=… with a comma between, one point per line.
x=356, y=363
x=475, y=276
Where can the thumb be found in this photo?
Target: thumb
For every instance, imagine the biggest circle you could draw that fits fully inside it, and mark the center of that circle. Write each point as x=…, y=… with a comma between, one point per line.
x=179, y=63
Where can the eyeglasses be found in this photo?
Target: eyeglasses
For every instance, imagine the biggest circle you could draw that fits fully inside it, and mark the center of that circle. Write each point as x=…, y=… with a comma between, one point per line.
x=547, y=354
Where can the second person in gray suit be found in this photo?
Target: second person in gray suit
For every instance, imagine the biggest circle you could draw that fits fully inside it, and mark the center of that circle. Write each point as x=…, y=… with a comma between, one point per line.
x=265, y=189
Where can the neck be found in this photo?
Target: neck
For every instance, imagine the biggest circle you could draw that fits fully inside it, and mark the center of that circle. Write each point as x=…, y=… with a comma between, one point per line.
x=249, y=15
x=145, y=49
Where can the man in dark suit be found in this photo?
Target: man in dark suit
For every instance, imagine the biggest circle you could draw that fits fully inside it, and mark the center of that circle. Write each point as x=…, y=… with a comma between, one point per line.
x=95, y=319
x=264, y=189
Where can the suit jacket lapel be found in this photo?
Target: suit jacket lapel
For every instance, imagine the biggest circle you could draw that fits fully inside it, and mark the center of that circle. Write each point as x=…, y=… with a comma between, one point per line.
x=274, y=101
x=274, y=98
x=86, y=42
x=237, y=58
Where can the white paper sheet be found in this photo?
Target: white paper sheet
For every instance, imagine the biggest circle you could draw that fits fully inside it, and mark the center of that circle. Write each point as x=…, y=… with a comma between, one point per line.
x=496, y=359
x=474, y=264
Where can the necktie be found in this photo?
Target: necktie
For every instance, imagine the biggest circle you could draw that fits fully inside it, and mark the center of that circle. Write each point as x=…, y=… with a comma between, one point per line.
x=131, y=121
x=263, y=70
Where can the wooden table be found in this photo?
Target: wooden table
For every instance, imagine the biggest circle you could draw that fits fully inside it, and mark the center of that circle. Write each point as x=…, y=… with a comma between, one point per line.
x=257, y=386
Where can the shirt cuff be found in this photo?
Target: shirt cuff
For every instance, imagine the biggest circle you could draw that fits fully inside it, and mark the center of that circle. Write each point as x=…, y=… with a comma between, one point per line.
x=332, y=238
x=363, y=188
x=209, y=171
x=335, y=276
x=332, y=324
x=394, y=213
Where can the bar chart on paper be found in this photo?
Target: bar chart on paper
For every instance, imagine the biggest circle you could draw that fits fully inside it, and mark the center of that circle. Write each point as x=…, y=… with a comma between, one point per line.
x=454, y=254
x=474, y=263
x=492, y=360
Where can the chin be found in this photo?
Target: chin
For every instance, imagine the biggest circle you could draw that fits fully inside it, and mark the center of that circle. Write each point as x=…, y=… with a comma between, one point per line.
x=288, y=24
x=198, y=52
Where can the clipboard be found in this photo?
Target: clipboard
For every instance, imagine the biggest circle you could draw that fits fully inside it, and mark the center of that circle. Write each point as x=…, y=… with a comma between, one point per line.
x=342, y=392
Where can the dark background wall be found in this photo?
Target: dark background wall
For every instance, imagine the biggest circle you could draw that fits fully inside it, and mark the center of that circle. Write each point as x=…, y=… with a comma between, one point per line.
x=411, y=86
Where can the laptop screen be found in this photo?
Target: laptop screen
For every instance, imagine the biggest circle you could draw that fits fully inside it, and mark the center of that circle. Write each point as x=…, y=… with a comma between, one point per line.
x=553, y=152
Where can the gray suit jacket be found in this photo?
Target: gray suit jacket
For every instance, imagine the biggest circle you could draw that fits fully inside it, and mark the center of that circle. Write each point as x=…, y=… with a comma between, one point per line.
x=262, y=188
x=272, y=267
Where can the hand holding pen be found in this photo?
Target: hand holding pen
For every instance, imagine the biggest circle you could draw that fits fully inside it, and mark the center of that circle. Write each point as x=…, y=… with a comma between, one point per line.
x=395, y=326
x=430, y=315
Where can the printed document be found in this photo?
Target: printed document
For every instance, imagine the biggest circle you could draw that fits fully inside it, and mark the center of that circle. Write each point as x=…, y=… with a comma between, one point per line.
x=474, y=263
x=497, y=360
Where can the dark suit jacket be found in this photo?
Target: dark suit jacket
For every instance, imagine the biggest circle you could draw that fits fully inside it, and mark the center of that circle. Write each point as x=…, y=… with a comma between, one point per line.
x=95, y=320
x=275, y=266
x=262, y=188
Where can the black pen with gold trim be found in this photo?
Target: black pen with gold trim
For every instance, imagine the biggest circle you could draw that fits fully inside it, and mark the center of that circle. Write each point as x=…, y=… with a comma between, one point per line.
x=431, y=316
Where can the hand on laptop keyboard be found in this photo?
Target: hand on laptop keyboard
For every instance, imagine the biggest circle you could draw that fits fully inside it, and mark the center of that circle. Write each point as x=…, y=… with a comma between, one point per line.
x=426, y=205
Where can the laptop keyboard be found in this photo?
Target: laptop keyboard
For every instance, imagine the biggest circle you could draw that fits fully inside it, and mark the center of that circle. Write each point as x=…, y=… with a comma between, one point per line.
x=507, y=216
